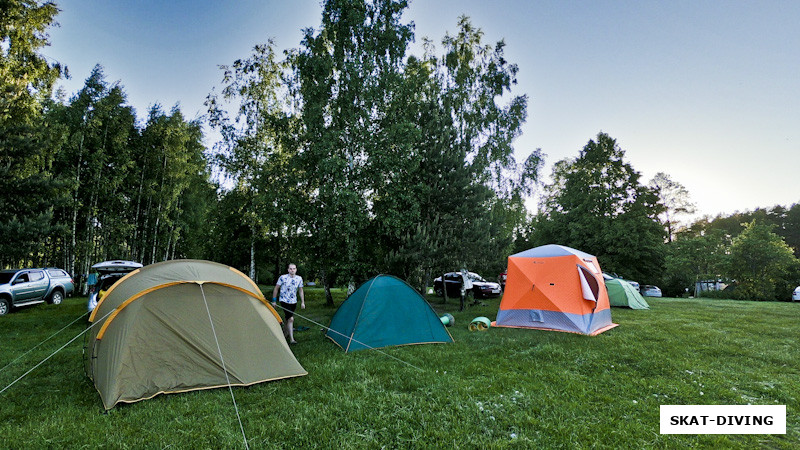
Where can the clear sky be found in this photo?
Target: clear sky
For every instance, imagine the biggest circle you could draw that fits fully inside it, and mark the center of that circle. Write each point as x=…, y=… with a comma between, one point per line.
x=705, y=91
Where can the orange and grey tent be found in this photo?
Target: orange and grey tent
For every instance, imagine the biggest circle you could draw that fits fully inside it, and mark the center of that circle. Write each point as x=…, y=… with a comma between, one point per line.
x=554, y=287
x=184, y=325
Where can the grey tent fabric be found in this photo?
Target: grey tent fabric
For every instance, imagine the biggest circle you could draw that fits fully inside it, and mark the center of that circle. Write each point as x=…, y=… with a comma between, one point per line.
x=552, y=250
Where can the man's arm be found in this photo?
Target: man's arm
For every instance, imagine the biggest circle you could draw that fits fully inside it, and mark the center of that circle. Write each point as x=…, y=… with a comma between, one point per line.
x=275, y=292
x=302, y=298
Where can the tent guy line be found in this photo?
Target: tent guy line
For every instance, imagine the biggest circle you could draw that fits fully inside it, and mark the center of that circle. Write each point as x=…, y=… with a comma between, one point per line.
x=354, y=340
x=229, y=385
x=224, y=369
x=40, y=343
x=52, y=354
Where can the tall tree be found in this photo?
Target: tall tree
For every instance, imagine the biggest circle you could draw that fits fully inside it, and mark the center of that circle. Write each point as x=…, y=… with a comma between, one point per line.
x=26, y=80
x=675, y=198
x=689, y=259
x=345, y=75
x=791, y=229
x=597, y=204
x=256, y=146
x=93, y=161
x=455, y=194
x=169, y=160
x=762, y=264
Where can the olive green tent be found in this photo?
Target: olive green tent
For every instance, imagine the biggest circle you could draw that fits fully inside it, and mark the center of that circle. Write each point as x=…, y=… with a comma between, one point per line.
x=184, y=325
x=621, y=293
x=385, y=311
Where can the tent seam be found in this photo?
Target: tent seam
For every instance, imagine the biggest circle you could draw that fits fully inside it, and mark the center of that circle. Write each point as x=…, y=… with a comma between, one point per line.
x=355, y=325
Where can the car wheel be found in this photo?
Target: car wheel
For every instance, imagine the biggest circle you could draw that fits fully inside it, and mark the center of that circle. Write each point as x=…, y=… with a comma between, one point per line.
x=5, y=307
x=56, y=298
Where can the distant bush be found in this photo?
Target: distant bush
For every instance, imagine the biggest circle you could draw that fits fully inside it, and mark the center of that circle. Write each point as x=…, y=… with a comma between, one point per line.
x=716, y=294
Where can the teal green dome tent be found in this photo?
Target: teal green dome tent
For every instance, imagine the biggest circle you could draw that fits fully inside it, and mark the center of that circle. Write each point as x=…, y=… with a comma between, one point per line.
x=382, y=312
x=621, y=293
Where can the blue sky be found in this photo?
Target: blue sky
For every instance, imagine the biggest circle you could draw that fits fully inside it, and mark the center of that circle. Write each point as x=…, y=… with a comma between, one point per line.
x=706, y=91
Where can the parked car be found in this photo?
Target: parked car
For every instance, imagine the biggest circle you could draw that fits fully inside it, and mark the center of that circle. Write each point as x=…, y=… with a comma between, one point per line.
x=110, y=272
x=651, y=291
x=796, y=294
x=634, y=284
x=22, y=287
x=480, y=287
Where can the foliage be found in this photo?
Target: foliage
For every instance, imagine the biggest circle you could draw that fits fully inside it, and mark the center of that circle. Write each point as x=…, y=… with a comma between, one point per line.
x=345, y=77
x=128, y=187
x=596, y=203
x=408, y=162
x=501, y=388
x=254, y=156
x=675, y=199
x=26, y=142
x=762, y=264
x=461, y=167
x=689, y=259
x=26, y=77
x=168, y=164
x=97, y=129
x=786, y=221
x=349, y=157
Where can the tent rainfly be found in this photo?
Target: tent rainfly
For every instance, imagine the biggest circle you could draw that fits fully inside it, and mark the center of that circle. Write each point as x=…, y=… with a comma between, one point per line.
x=557, y=288
x=385, y=311
x=180, y=326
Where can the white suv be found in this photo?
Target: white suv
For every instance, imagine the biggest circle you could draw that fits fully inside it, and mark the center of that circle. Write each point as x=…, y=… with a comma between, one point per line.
x=796, y=294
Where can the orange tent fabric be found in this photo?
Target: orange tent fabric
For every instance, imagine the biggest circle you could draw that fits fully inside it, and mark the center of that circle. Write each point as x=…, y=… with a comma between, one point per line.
x=558, y=288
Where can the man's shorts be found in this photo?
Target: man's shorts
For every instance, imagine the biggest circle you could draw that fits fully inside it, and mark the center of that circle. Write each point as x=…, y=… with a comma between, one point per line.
x=288, y=309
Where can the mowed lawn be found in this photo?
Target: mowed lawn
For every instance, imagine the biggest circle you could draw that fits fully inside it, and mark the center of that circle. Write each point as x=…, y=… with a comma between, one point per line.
x=495, y=389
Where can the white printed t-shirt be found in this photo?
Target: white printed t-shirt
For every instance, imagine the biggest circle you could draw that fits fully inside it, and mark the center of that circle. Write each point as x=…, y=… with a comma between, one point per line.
x=289, y=286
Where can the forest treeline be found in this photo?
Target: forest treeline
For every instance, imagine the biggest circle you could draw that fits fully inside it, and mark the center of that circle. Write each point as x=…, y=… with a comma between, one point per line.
x=347, y=155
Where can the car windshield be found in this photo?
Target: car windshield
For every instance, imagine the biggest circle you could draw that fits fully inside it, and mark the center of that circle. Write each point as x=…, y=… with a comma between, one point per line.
x=475, y=277
x=5, y=277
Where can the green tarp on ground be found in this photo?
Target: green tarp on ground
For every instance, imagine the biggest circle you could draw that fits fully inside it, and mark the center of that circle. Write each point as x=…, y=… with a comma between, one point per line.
x=184, y=325
x=621, y=293
x=385, y=311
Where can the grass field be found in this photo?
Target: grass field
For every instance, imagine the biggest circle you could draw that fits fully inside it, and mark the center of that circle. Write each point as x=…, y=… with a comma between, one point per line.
x=504, y=388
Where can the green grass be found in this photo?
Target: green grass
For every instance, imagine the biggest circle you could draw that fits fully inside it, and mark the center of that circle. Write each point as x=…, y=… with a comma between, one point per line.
x=504, y=388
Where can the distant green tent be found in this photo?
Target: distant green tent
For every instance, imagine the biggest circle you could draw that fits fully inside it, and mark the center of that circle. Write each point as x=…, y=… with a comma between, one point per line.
x=621, y=293
x=382, y=312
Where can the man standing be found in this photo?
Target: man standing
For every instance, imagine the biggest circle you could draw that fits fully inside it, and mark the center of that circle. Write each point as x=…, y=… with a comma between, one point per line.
x=289, y=284
x=91, y=283
x=466, y=287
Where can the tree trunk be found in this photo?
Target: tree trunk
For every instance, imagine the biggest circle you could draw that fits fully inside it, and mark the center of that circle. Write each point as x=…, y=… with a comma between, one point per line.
x=158, y=213
x=135, y=243
x=278, y=265
x=169, y=243
x=425, y=278
x=328, y=296
x=253, y=253
x=71, y=267
x=155, y=232
x=444, y=290
x=143, y=248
